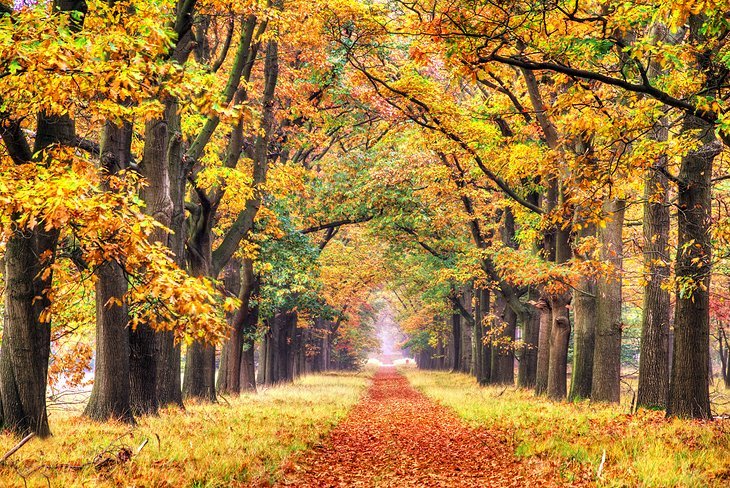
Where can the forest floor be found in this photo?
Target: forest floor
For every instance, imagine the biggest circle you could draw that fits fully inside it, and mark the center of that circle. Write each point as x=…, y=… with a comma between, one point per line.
x=407, y=428
x=397, y=437
x=237, y=442
x=608, y=443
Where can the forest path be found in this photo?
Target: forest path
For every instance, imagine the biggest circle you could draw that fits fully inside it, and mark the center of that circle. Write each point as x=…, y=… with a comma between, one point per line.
x=397, y=437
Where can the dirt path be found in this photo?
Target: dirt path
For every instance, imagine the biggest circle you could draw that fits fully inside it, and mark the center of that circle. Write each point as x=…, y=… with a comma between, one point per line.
x=396, y=437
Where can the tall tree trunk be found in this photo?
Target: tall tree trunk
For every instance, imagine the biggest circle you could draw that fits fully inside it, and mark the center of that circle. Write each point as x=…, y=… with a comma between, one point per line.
x=527, y=370
x=199, y=380
x=263, y=357
x=487, y=350
x=543, y=348
x=466, y=332
x=230, y=370
x=26, y=340
x=158, y=204
x=169, y=384
x=559, y=340
x=26, y=334
x=606, y=385
x=688, y=389
x=232, y=283
x=503, y=358
x=482, y=353
x=455, y=341
x=584, y=322
x=248, y=365
x=723, y=348
x=110, y=395
x=655, y=320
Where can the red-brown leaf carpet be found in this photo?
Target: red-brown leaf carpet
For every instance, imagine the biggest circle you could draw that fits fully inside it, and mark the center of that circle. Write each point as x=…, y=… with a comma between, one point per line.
x=397, y=437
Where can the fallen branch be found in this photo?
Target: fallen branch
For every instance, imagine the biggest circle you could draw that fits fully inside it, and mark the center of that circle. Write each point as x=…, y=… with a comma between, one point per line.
x=17, y=447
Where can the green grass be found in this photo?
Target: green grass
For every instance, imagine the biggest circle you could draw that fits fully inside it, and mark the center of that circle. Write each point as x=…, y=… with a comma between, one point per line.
x=238, y=442
x=643, y=449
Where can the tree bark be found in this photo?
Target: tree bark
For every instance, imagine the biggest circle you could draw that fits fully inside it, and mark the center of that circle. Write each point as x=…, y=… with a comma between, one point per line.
x=25, y=348
x=688, y=389
x=110, y=395
x=26, y=334
x=584, y=323
x=483, y=357
x=466, y=333
x=543, y=348
x=723, y=348
x=606, y=386
x=654, y=350
x=503, y=358
x=158, y=204
x=527, y=369
x=455, y=341
x=559, y=339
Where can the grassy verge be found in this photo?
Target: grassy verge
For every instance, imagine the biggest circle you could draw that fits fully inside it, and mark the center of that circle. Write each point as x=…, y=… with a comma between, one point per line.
x=238, y=442
x=643, y=449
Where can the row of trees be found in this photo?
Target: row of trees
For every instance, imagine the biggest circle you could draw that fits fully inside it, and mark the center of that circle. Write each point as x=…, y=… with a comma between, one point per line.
x=152, y=152
x=555, y=126
x=178, y=173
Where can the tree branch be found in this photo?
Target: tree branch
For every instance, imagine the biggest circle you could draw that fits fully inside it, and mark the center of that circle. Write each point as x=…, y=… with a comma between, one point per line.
x=337, y=223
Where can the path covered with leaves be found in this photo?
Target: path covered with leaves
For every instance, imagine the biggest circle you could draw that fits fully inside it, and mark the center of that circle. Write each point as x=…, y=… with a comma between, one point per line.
x=396, y=437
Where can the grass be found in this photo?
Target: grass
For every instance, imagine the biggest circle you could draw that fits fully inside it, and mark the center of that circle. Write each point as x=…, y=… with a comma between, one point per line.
x=238, y=442
x=643, y=449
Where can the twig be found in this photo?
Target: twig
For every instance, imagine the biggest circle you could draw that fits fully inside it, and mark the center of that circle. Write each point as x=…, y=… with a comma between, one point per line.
x=17, y=447
x=603, y=462
x=141, y=446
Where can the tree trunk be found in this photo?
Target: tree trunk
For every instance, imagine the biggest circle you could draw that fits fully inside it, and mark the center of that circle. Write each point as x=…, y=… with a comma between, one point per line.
x=455, y=341
x=723, y=347
x=482, y=356
x=466, y=333
x=503, y=357
x=606, y=385
x=543, y=347
x=655, y=320
x=199, y=380
x=26, y=342
x=229, y=372
x=559, y=340
x=527, y=370
x=688, y=389
x=169, y=384
x=584, y=324
x=143, y=340
x=487, y=351
x=248, y=365
x=26, y=334
x=110, y=395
